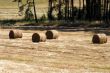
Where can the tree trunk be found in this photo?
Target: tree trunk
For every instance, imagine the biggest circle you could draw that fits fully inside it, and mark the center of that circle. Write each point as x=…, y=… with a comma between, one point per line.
x=59, y=9
x=35, y=12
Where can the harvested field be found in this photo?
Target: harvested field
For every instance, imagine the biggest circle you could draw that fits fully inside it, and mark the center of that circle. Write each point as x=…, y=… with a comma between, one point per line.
x=72, y=52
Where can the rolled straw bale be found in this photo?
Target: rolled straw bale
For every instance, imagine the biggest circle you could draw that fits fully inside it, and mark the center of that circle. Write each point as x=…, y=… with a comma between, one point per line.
x=52, y=34
x=15, y=34
x=38, y=37
x=99, y=39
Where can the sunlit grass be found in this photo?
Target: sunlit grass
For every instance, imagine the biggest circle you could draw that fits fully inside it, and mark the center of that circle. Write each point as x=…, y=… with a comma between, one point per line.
x=11, y=4
x=102, y=67
x=16, y=58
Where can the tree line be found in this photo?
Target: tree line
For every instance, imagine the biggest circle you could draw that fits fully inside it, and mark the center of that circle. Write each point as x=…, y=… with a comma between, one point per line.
x=87, y=10
x=66, y=9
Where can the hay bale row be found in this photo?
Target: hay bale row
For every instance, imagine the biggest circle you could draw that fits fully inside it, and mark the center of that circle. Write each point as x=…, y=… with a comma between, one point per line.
x=36, y=37
x=99, y=38
x=13, y=34
x=41, y=37
x=53, y=34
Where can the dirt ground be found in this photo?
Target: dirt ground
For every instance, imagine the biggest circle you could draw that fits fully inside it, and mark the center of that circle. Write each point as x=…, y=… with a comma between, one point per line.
x=72, y=52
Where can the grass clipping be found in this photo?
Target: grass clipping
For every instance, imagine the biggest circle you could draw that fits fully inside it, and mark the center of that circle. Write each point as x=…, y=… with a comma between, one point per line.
x=99, y=38
x=38, y=37
x=13, y=34
x=52, y=34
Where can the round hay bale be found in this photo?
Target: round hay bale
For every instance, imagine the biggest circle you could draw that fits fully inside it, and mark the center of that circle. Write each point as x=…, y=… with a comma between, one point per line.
x=99, y=39
x=13, y=34
x=38, y=37
x=52, y=34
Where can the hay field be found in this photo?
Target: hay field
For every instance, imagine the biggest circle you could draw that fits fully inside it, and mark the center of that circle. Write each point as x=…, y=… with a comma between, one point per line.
x=73, y=52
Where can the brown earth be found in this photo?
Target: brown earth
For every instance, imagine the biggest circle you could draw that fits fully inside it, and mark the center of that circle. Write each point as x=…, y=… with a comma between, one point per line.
x=72, y=52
